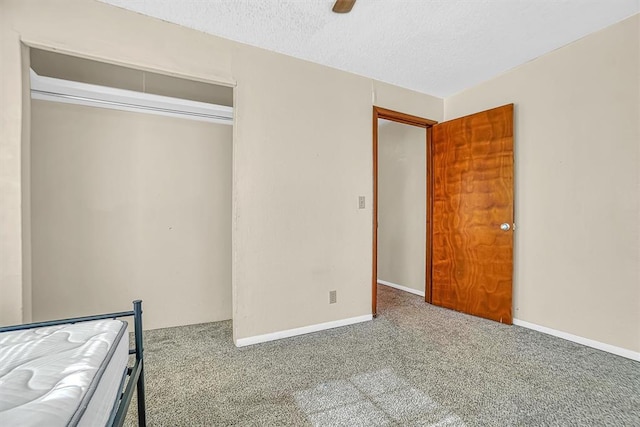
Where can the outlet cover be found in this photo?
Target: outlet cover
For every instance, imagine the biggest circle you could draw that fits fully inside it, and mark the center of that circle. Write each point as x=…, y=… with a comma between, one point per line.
x=333, y=297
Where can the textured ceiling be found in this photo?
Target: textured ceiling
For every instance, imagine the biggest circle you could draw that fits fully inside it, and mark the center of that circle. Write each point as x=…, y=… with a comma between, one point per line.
x=438, y=47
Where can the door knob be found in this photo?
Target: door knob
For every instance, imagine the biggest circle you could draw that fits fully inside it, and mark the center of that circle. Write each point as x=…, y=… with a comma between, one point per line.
x=505, y=226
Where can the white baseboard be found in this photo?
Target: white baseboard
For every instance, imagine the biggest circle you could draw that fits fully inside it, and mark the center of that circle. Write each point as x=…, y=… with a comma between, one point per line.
x=629, y=354
x=242, y=342
x=402, y=288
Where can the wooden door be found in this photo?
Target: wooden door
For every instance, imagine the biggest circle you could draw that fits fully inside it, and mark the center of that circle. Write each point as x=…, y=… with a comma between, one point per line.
x=472, y=257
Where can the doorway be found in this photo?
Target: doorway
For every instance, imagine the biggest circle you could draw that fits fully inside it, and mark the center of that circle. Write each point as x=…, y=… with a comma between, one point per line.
x=394, y=118
x=469, y=205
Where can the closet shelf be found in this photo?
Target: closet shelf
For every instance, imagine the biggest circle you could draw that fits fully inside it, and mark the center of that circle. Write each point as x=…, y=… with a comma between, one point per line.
x=70, y=92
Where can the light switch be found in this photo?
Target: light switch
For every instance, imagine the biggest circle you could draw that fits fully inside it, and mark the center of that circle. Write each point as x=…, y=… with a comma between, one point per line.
x=361, y=202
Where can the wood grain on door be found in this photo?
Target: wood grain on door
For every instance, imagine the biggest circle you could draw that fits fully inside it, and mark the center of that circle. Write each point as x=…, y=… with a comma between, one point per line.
x=472, y=257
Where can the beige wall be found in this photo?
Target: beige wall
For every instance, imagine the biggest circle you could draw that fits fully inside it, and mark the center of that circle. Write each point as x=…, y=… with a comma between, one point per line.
x=302, y=156
x=302, y=144
x=401, y=204
x=53, y=64
x=26, y=185
x=126, y=206
x=577, y=136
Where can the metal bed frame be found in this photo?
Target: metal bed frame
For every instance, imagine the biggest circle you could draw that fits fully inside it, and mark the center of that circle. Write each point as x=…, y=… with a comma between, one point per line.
x=135, y=372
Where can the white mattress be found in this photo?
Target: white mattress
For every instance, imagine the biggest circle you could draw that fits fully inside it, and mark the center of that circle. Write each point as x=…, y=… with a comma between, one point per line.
x=64, y=375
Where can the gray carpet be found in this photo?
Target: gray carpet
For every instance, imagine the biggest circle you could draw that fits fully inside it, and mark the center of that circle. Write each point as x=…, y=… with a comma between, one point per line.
x=415, y=365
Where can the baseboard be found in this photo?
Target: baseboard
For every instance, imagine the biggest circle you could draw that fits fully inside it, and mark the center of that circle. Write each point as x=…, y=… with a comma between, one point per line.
x=402, y=288
x=242, y=342
x=629, y=354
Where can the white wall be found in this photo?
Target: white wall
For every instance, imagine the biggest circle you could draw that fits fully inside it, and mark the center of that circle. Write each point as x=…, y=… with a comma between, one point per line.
x=129, y=205
x=402, y=194
x=577, y=139
x=302, y=156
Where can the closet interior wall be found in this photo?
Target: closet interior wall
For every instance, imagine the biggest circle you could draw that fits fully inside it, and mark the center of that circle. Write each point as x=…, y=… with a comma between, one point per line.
x=129, y=205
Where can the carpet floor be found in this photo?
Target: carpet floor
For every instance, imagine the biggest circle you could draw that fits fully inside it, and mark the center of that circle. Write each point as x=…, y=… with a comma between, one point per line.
x=414, y=365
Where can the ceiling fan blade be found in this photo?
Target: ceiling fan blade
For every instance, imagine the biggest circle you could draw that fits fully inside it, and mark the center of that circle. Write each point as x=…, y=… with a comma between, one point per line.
x=343, y=6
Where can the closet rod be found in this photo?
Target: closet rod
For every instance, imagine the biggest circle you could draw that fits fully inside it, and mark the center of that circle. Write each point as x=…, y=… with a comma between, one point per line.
x=128, y=105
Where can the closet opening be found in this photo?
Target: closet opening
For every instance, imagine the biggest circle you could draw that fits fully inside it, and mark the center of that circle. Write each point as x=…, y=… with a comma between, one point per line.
x=129, y=191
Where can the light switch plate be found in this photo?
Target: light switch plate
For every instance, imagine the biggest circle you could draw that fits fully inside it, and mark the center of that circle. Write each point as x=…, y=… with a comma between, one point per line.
x=361, y=202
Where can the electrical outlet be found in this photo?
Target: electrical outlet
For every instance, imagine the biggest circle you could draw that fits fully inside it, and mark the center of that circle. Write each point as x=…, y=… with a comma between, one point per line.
x=361, y=202
x=333, y=297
